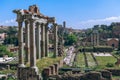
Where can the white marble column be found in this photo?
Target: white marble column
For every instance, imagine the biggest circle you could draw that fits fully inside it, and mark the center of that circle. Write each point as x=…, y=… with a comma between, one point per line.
x=27, y=41
x=38, y=37
x=21, y=46
x=46, y=40
x=32, y=45
x=55, y=41
x=42, y=40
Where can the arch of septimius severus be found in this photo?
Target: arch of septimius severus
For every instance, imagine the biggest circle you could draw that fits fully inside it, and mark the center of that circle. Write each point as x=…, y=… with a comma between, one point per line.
x=36, y=40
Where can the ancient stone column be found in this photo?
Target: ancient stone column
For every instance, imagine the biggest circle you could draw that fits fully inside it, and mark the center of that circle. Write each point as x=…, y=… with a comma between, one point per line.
x=42, y=40
x=64, y=26
x=55, y=41
x=46, y=40
x=91, y=39
x=97, y=39
x=32, y=45
x=21, y=46
x=94, y=39
x=27, y=41
x=38, y=37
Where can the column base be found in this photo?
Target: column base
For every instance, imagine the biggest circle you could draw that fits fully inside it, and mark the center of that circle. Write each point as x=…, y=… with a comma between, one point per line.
x=35, y=68
x=21, y=65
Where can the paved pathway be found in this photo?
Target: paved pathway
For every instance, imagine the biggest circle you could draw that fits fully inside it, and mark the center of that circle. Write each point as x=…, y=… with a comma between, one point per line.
x=8, y=59
x=70, y=55
x=102, y=54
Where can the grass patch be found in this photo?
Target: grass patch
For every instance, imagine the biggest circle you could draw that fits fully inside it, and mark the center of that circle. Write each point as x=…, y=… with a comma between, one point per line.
x=80, y=62
x=7, y=71
x=91, y=62
x=115, y=77
x=104, y=60
x=46, y=62
x=50, y=54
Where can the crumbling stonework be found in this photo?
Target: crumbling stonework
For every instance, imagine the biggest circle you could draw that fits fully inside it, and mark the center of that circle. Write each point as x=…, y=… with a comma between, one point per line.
x=115, y=72
x=102, y=75
x=28, y=73
x=106, y=74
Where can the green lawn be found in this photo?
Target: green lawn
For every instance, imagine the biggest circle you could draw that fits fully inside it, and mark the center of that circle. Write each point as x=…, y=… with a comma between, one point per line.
x=102, y=61
x=115, y=77
x=45, y=62
x=80, y=62
x=91, y=62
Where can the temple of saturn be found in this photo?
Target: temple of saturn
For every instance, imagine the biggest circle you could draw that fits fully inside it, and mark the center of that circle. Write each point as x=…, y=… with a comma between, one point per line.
x=36, y=40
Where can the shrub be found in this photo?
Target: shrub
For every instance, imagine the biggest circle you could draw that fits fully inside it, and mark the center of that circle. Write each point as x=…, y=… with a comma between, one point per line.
x=109, y=65
x=4, y=51
x=103, y=49
x=71, y=38
x=88, y=49
x=97, y=49
x=117, y=52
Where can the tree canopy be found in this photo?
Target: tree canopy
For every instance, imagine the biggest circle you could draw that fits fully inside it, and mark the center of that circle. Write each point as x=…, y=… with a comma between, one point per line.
x=71, y=38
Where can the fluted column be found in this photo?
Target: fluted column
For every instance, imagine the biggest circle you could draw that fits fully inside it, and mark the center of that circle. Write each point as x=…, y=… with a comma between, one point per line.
x=46, y=40
x=55, y=41
x=21, y=47
x=32, y=45
x=27, y=42
x=38, y=37
x=42, y=40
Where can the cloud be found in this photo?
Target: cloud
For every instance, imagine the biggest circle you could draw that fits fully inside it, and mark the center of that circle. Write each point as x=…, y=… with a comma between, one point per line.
x=92, y=22
x=77, y=25
x=10, y=22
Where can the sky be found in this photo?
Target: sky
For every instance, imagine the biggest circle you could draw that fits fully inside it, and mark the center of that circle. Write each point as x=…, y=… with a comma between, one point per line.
x=78, y=14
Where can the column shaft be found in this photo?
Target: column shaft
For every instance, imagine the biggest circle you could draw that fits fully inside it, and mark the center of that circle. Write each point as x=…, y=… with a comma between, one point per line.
x=55, y=41
x=27, y=42
x=32, y=45
x=92, y=39
x=97, y=39
x=42, y=40
x=21, y=47
x=38, y=51
x=46, y=40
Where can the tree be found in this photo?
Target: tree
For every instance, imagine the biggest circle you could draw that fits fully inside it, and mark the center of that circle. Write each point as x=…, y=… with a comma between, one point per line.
x=11, y=36
x=4, y=51
x=96, y=27
x=71, y=38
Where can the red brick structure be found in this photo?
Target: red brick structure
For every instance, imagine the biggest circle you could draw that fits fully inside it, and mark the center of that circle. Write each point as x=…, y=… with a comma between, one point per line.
x=113, y=42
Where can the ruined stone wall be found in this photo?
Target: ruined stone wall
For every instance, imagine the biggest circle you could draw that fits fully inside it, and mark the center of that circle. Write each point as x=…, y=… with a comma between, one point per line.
x=103, y=75
x=51, y=70
x=27, y=73
x=115, y=72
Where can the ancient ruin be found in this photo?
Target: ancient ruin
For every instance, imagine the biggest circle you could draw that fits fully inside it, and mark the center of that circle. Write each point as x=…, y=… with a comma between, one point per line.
x=36, y=40
x=95, y=38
